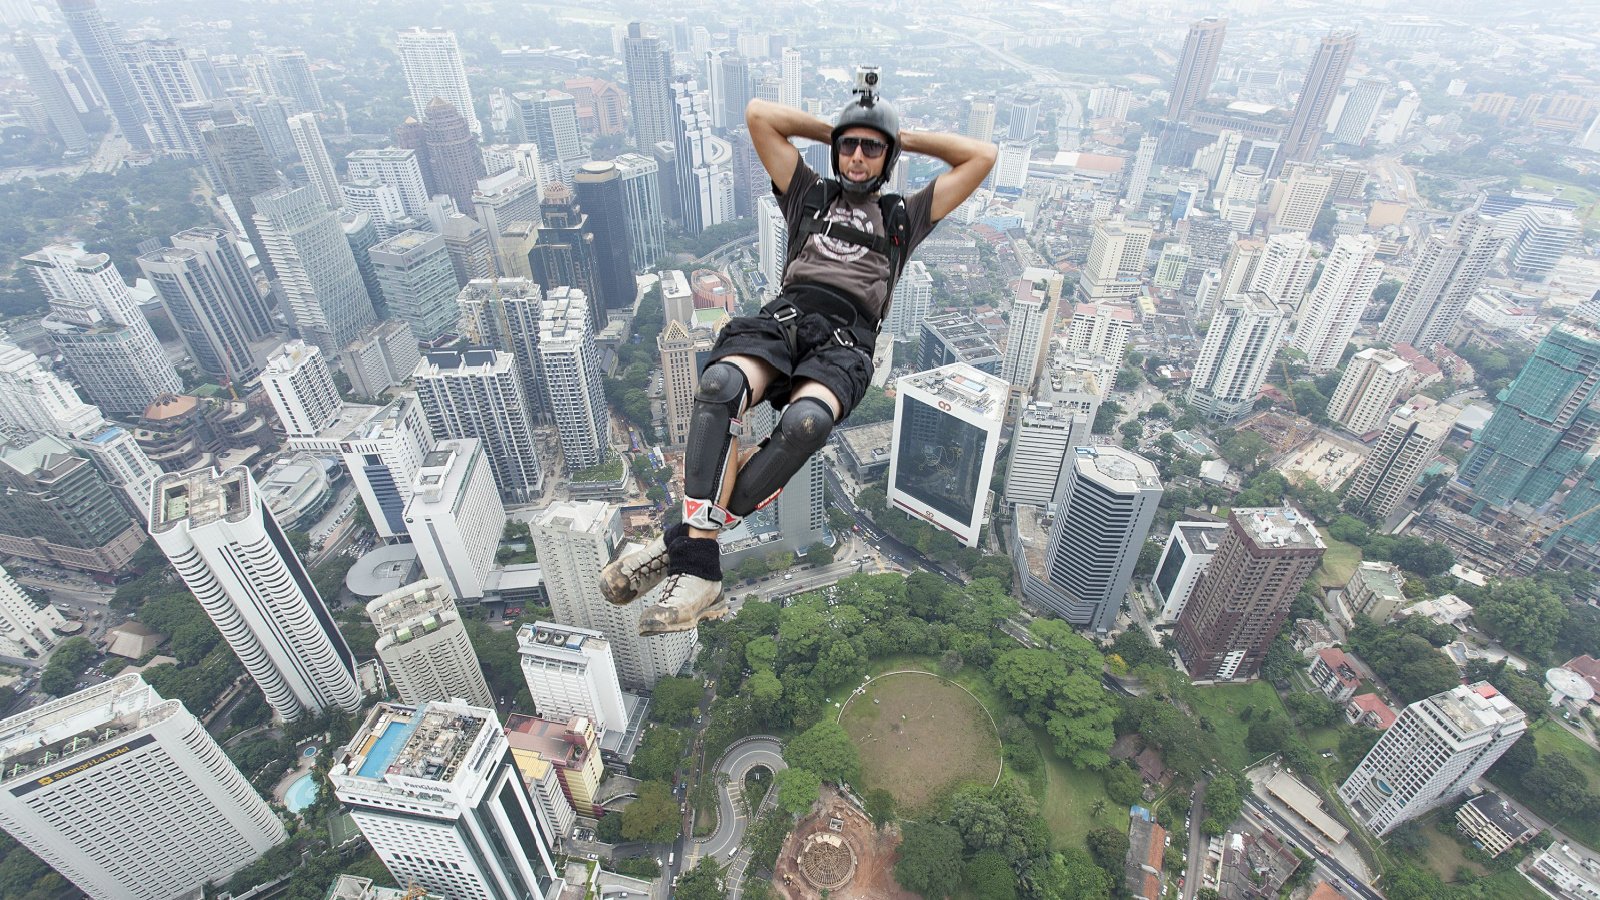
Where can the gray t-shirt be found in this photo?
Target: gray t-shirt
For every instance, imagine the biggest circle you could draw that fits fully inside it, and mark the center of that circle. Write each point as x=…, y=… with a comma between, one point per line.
x=852, y=269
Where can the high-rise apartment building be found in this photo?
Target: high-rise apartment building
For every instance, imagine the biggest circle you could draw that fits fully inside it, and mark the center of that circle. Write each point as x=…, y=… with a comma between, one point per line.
x=1190, y=547
x=228, y=548
x=291, y=77
x=383, y=456
x=424, y=647
x=122, y=462
x=1441, y=282
x=641, y=205
x=1237, y=355
x=1116, y=261
x=213, y=302
x=301, y=389
x=1283, y=269
x=478, y=394
x=1434, y=752
x=379, y=205
x=1321, y=87
x=1105, y=515
x=1240, y=197
x=913, y=293
x=946, y=435
x=563, y=254
x=418, y=282
x=1408, y=443
x=1361, y=106
x=569, y=362
x=1144, y=161
x=434, y=790
x=327, y=300
x=505, y=314
x=239, y=159
x=35, y=399
x=46, y=85
x=649, y=67
x=1033, y=319
x=1371, y=384
x=1197, y=66
x=571, y=672
x=980, y=119
x=683, y=355
x=1301, y=201
x=575, y=540
x=507, y=206
x=27, y=625
x=455, y=518
x=97, y=327
x=549, y=119
x=164, y=77
x=1100, y=330
x=314, y=156
x=56, y=508
x=431, y=60
x=1172, y=266
x=394, y=166
x=1330, y=315
x=98, y=42
x=598, y=188
x=382, y=356
x=126, y=794
x=1242, y=598
x=454, y=160
x=703, y=161
x=792, y=78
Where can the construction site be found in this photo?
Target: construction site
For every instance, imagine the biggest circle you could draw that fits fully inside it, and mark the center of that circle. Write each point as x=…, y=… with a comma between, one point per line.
x=835, y=852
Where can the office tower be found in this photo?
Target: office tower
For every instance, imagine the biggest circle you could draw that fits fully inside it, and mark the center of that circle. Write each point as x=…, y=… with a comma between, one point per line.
x=98, y=42
x=1433, y=753
x=772, y=249
x=1301, y=201
x=569, y=363
x=1104, y=516
x=1321, y=86
x=1139, y=176
x=1046, y=432
x=455, y=518
x=649, y=68
x=789, y=93
x=46, y=85
x=229, y=550
x=212, y=301
x=362, y=234
x=1239, y=199
x=550, y=119
x=1217, y=161
x=1546, y=237
x=56, y=508
x=454, y=159
x=97, y=327
x=163, y=77
x=1371, y=384
x=666, y=156
x=599, y=192
x=301, y=389
x=26, y=624
x=1197, y=66
x=35, y=399
x=418, y=282
x=1189, y=549
x=1544, y=423
x=704, y=162
x=641, y=209
x=1172, y=265
x=1116, y=261
x=1237, y=356
x=314, y=156
x=1361, y=107
x=750, y=178
x=946, y=434
x=800, y=509
x=561, y=762
x=433, y=69
x=1329, y=318
x=478, y=394
x=564, y=252
x=126, y=794
x=1033, y=319
x=570, y=673
x=1110, y=102
x=980, y=119
x=1409, y=441
x=472, y=250
x=394, y=166
x=383, y=456
x=953, y=337
x=507, y=206
x=327, y=301
x=524, y=158
x=683, y=354
x=379, y=204
x=677, y=298
x=1100, y=330
x=1443, y=279
x=1283, y=270
x=505, y=314
x=122, y=462
x=1011, y=167
x=913, y=293
x=292, y=78
x=1023, y=120
x=435, y=792
x=236, y=153
x=1242, y=598
x=737, y=91
x=575, y=540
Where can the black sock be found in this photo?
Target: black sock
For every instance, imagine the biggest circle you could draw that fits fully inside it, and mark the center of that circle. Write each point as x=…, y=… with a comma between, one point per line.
x=680, y=530
x=700, y=557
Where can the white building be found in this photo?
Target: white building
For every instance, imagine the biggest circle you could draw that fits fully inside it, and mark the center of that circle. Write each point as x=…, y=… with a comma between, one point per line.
x=437, y=795
x=677, y=299
x=1033, y=319
x=1189, y=548
x=641, y=197
x=1435, y=751
x=1546, y=236
x=478, y=394
x=1300, y=199
x=1011, y=166
x=314, y=156
x=790, y=68
x=127, y=796
x=1059, y=418
x=122, y=461
x=321, y=284
x=432, y=64
x=1329, y=318
x=1371, y=384
x=1172, y=266
x=382, y=356
x=1283, y=269
x=455, y=517
x=1442, y=280
x=301, y=389
x=26, y=624
x=912, y=300
x=1116, y=261
x=394, y=166
x=505, y=314
x=229, y=550
x=946, y=435
x=569, y=361
x=1100, y=330
x=383, y=456
x=424, y=646
x=1409, y=441
x=1237, y=356
x=1573, y=872
x=571, y=672
x=1104, y=517
x=418, y=282
x=1139, y=177
x=1240, y=198
x=35, y=399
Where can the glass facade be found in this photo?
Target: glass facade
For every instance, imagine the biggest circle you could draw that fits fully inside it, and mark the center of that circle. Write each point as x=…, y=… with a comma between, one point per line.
x=941, y=461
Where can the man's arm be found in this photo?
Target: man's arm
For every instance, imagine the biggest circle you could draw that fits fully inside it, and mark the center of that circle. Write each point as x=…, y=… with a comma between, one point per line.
x=771, y=125
x=969, y=161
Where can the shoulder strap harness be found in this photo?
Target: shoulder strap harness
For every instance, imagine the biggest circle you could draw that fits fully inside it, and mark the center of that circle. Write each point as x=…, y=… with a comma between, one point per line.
x=897, y=226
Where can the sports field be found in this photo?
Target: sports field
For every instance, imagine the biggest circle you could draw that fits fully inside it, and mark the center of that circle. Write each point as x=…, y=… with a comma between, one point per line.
x=922, y=735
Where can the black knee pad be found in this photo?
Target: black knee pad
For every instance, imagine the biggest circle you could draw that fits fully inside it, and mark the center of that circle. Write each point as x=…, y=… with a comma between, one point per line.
x=801, y=431
x=718, y=402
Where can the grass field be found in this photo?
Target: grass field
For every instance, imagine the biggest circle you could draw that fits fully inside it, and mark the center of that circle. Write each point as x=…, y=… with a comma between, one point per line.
x=1445, y=855
x=918, y=735
x=1218, y=707
x=1069, y=800
x=1552, y=738
x=1588, y=201
x=1339, y=563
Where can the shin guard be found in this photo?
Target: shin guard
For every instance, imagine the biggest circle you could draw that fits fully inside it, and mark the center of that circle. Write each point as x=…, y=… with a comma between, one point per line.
x=801, y=431
x=718, y=403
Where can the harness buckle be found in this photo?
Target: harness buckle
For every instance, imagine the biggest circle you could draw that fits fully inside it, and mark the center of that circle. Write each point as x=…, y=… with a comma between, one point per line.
x=786, y=313
x=844, y=337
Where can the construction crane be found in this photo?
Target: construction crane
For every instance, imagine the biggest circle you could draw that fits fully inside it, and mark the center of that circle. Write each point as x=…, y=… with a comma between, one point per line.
x=1529, y=559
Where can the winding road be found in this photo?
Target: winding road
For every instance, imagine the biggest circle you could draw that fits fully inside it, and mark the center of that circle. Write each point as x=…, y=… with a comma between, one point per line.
x=726, y=845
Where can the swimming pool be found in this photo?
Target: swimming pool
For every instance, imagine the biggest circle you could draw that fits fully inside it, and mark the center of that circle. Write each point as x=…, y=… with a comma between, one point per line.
x=383, y=750
x=301, y=794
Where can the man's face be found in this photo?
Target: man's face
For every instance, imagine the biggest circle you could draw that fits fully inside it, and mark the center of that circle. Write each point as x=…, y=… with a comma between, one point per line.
x=856, y=166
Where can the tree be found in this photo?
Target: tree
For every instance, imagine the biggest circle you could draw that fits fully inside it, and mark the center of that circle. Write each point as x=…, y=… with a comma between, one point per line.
x=798, y=789
x=1523, y=614
x=930, y=859
x=653, y=816
x=675, y=699
x=659, y=754
x=703, y=882
x=1561, y=784
x=1244, y=450
x=1225, y=797
x=880, y=806
x=1109, y=847
x=1266, y=734
x=827, y=751
x=989, y=877
x=1518, y=759
x=61, y=674
x=1149, y=555
x=610, y=829
x=1068, y=875
x=1312, y=710
x=1123, y=784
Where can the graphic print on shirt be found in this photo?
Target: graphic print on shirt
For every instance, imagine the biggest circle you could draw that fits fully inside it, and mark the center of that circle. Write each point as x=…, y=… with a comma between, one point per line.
x=840, y=250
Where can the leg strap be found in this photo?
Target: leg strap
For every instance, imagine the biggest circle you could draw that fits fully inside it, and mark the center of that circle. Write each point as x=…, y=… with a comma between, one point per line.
x=718, y=403
x=801, y=431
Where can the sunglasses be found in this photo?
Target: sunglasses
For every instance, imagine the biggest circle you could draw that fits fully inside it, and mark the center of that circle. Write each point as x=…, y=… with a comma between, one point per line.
x=869, y=148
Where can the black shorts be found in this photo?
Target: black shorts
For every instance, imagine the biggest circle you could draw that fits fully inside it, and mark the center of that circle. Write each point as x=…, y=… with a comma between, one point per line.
x=820, y=357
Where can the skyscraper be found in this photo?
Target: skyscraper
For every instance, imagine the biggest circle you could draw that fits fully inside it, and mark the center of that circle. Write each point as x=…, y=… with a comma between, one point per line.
x=1321, y=86
x=737, y=90
x=96, y=325
x=1196, y=67
x=164, y=78
x=641, y=204
x=946, y=435
x=598, y=186
x=424, y=647
x=980, y=119
x=1237, y=356
x=440, y=776
x=327, y=300
x=791, y=75
x=683, y=354
x=505, y=314
x=229, y=550
x=237, y=154
x=382, y=356
x=1350, y=273
x=1241, y=196
x=1139, y=176
x=1434, y=752
x=477, y=394
x=1240, y=601
x=1361, y=107
x=98, y=42
x=419, y=284
x=314, y=156
x=213, y=301
x=1104, y=517
x=35, y=399
x=432, y=64
x=1545, y=237
x=507, y=206
x=913, y=293
x=703, y=161
x=397, y=167
x=1301, y=200
x=569, y=362
x=1047, y=430
x=550, y=119
x=1033, y=318
x=772, y=248
x=126, y=794
x=1023, y=119
x=28, y=624
x=1283, y=270
x=649, y=68
x=1371, y=384
x=46, y=85
x=563, y=254
x=1116, y=260
x=454, y=159
x=301, y=389
x=292, y=78
x=56, y=508
x=1443, y=279
x=1409, y=441
x=571, y=672
x=383, y=456
x=455, y=518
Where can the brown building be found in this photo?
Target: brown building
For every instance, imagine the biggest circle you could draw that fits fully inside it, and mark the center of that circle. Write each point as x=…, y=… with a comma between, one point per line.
x=683, y=354
x=56, y=508
x=713, y=290
x=454, y=159
x=602, y=106
x=571, y=748
x=182, y=432
x=1243, y=596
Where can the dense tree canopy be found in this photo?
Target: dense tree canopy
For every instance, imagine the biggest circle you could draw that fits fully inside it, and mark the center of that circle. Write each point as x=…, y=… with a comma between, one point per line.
x=930, y=859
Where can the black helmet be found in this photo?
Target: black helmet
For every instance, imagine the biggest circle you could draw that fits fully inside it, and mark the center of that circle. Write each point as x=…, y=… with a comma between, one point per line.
x=880, y=117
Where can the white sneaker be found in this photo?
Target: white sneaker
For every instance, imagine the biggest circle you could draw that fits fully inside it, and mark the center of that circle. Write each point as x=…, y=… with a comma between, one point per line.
x=685, y=602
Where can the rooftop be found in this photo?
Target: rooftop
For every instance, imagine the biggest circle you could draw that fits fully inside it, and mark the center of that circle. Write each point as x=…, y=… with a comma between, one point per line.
x=550, y=637
x=410, y=611
x=426, y=742
x=961, y=385
x=201, y=497
x=1279, y=526
x=1494, y=807
x=1475, y=708
x=1117, y=469
x=1372, y=703
x=1380, y=578
x=66, y=729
